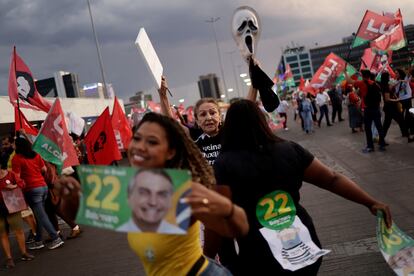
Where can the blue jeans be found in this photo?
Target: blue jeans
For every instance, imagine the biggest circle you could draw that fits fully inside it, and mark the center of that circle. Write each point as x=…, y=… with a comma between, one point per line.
x=36, y=199
x=215, y=269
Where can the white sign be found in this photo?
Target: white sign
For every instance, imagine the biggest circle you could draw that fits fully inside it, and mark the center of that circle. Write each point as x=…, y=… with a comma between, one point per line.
x=145, y=47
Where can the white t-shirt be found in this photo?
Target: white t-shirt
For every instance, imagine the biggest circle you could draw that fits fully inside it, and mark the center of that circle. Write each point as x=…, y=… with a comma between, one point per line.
x=283, y=107
x=322, y=99
x=403, y=89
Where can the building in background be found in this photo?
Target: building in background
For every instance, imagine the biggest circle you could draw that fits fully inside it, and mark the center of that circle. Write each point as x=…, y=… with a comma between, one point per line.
x=299, y=60
x=62, y=85
x=93, y=90
x=208, y=85
x=138, y=101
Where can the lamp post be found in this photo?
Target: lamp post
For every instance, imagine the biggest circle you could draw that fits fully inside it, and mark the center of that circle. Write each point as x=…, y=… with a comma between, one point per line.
x=212, y=20
x=98, y=50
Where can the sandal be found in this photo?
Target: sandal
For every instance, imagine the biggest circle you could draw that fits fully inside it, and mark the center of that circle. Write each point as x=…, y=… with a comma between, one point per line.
x=10, y=263
x=27, y=257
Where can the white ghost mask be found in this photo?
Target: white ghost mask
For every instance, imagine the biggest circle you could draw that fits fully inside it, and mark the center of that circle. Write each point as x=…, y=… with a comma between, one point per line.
x=245, y=26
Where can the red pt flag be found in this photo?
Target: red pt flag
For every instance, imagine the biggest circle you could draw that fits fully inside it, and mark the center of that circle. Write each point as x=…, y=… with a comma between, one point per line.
x=120, y=124
x=22, y=86
x=100, y=141
x=20, y=122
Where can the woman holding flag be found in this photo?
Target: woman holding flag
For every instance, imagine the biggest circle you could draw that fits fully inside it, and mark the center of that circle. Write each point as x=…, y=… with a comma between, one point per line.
x=30, y=167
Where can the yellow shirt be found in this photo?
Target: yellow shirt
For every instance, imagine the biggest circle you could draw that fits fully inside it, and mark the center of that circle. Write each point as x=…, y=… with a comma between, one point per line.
x=163, y=254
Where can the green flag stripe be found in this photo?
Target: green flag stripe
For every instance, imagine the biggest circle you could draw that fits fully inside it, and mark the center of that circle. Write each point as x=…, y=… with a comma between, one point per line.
x=359, y=41
x=48, y=150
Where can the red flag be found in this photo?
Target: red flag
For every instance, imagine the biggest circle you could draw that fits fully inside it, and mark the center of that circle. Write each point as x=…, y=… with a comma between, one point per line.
x=288, y=72
x=331, y=68
x=154, y=107
x=367, y=59
x=100, y=141
x=20, y=122
x=394, y=39
x=53, y=142
x=120, y=124
x=375, y=61
x=190, y=114
x=301, y=84
x=22, y=86
x=372, y=26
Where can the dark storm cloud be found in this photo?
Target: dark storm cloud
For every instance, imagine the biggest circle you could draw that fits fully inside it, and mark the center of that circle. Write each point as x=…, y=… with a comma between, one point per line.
x=54, y=35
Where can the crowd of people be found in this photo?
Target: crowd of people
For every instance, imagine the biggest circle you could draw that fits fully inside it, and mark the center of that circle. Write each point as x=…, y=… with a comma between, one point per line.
x=227, y=158
x=32, y=178
x=372, y=103
x=237, y=164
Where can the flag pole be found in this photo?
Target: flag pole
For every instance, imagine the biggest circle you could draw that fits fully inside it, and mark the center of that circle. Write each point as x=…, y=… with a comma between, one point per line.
x=354, y=35
x=15, y=75
x=98, y=50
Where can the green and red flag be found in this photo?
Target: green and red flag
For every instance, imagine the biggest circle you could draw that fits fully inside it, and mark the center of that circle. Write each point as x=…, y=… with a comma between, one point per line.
x=120, y=124
x=372, y=26
x=326, y=75
x=394, y=39
x=20, y=122
x=350, y=70
x=22, y=88
x=290, y=82
x=100, y=141
x=53, y=142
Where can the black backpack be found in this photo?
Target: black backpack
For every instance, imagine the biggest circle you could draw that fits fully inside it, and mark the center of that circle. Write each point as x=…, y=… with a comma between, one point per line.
x=373, y=96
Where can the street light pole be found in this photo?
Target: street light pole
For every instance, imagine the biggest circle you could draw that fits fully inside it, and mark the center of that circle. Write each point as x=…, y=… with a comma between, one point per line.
x=212, y=20
x=98, y=50
x=234, y=72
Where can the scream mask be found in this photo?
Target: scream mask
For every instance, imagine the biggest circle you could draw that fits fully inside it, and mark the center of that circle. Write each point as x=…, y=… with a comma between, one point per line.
x=246, y=30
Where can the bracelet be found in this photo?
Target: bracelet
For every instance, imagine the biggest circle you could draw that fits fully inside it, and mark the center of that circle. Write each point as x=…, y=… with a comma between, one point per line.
x=230, y=215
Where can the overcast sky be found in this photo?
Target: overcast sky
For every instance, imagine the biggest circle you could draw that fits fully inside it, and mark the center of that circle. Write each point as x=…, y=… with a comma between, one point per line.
x=53, y=35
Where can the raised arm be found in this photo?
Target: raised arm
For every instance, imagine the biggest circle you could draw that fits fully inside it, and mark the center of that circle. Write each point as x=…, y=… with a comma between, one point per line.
x=348, y=78
x=252, y=95
x=323, y=177
x=164, y=102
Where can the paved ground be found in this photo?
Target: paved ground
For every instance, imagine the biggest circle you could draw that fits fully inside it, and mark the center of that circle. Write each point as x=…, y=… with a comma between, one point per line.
x=344, y=227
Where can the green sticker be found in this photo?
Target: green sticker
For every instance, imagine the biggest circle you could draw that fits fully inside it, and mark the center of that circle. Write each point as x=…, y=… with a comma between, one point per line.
x=276, y=210
x=391, y=240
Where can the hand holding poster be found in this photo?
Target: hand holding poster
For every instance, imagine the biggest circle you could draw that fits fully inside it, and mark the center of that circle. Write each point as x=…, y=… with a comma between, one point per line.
x=134, y=200
x=396, y=247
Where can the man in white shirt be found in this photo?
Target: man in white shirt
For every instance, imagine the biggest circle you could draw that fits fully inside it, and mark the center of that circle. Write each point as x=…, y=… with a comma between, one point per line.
x=282, y=110
x=322, y=100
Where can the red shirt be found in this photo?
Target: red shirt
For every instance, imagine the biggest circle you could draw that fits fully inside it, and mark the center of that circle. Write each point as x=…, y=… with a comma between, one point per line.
x=13, y=179
x=30, y=171
x=363, y=90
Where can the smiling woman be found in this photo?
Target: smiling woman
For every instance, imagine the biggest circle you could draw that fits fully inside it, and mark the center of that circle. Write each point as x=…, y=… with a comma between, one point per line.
x=160, y=142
